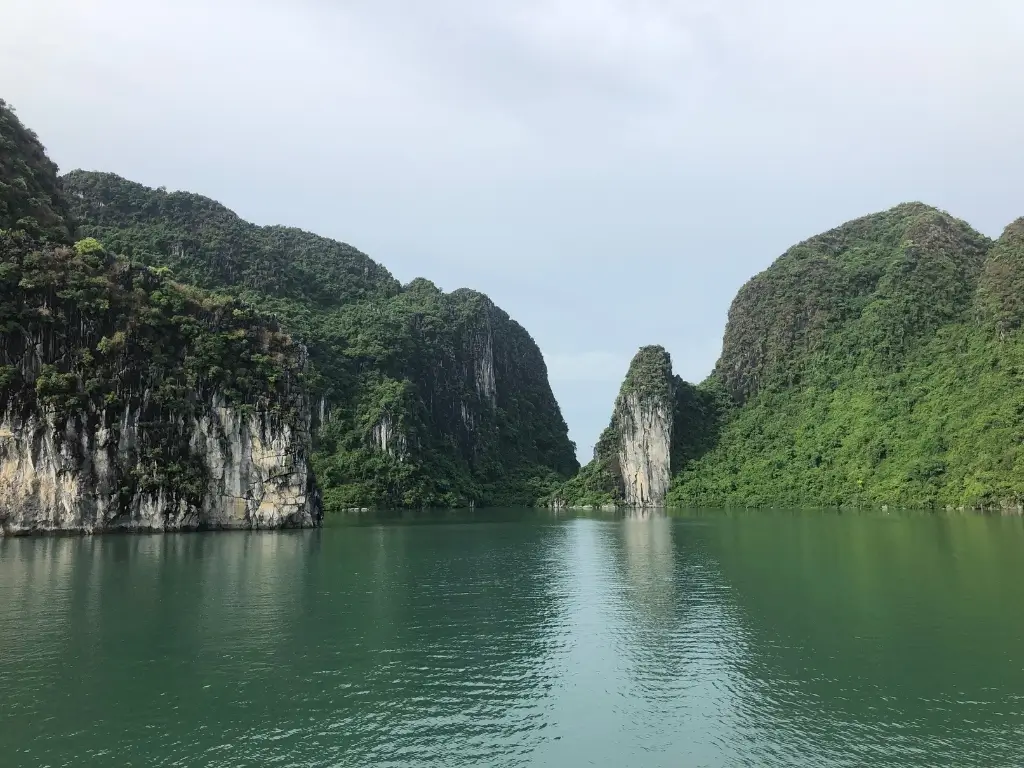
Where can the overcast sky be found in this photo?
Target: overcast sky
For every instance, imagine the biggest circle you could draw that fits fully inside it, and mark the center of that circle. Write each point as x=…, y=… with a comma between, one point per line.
x=610, y=172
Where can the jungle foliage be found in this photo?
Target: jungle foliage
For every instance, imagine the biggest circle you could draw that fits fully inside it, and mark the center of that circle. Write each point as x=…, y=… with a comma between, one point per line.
x=88, y=338
x=880, y=363
x=425, y=398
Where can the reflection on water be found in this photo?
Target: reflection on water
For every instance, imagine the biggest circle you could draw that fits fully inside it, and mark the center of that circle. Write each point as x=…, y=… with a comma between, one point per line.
x=521, y=638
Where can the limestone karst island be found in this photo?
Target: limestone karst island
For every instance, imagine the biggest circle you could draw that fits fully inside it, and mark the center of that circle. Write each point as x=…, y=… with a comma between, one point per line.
x=583, y=463
x=166, y=365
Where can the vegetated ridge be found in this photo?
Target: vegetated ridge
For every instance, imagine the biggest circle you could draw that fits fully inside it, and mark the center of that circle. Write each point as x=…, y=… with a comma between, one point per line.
x=879, y=363
x=128, y=400
x=422, y=398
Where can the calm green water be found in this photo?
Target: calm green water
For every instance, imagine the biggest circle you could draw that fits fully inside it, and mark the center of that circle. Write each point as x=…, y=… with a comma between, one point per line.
x=521, y=638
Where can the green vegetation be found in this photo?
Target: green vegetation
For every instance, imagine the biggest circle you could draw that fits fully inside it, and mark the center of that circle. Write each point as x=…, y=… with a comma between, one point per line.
x=700, y=413
x=113, y=338
x=595, y=485
x=429, y=399
x=418, y=363
x=30, y=193
x=599, y=483
x=1001, y=289
x=649, y=375
x=879, y=363
x=870, y=290
x=206, y=245
x=418, y=397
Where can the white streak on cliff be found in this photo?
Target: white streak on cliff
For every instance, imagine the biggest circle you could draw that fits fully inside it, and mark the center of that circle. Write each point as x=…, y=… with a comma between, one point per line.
x=483, y=368
x=388, y=438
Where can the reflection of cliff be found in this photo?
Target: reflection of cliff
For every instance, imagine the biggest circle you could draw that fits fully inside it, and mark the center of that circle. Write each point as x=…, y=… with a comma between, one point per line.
x=436, y=640
x=34, y=578
x=648, y=563
x=207, y=625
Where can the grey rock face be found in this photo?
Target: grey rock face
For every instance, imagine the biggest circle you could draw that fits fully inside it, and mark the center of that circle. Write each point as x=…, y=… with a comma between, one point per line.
x=54, y=479
x=483, y=365
x=633, y=459
x=644, y=449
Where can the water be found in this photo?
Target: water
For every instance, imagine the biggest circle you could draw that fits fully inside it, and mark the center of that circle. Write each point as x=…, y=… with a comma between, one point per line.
x=521, y=638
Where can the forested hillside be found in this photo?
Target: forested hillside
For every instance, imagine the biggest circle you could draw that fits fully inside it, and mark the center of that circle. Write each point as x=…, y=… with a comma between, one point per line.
x=878, y=363
x=881, y=362
x=112, y=375
x=426, y=398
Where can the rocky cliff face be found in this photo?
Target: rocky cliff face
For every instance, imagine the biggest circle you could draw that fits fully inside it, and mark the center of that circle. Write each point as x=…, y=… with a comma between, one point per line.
x=632, y=463
x=130, y=403
x=58, y=476
x=432, y=398
x=641, y=429
x=644, y=449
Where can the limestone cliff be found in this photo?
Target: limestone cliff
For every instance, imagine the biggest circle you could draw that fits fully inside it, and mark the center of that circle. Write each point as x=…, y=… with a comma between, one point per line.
x=659, y=425
x=632, y=463
x=433, y=398
x=642, y=429
x=451, y=407
x=130, y=403
x=67, y=477
x=420, y=397
x=644, y=450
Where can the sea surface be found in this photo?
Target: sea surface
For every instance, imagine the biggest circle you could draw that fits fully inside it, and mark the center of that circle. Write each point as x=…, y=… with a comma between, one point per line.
x=521, y=638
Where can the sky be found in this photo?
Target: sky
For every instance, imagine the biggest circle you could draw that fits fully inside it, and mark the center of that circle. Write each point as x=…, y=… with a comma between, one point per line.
x=610, y=172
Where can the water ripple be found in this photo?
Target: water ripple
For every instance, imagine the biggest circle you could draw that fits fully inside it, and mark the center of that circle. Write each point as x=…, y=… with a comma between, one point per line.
x=707, y=640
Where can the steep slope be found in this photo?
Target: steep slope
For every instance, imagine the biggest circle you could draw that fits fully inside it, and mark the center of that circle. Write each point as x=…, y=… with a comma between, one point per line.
x=1001, y=288
x=658, y=424
x=425, y=398
x=879, y=363
x=128, y=401
x=207, y=245
x=30, y=192
x=872, y=288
